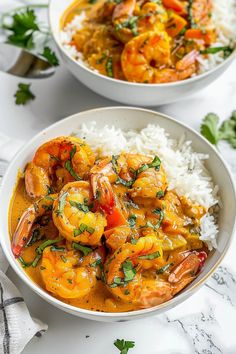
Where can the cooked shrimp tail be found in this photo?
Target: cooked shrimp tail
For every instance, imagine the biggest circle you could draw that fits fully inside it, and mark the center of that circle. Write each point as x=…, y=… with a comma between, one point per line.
x=22, y=233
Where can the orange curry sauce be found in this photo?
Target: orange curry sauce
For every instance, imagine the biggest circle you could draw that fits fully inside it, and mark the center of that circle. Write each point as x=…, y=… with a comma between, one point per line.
x=179, y=232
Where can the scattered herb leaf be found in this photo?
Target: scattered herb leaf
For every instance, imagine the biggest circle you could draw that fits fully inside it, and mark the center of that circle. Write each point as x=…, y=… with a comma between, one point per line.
x=84, y=249
x=82, y=228
x=213, y=50
x=150, y=256
x=129, y=271
x=163, y=269
x=23, y=95
x=79, y=206
x=69, y=168
x=124, y=345
x=61, y=204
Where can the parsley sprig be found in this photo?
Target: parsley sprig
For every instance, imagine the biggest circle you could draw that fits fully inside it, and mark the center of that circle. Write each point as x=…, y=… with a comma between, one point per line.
x=50, y=56
x=124, y=345
x=214, y=132
x=23, y=95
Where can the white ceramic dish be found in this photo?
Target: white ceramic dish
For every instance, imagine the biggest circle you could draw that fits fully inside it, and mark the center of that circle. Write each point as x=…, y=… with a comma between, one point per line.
x=125, y=118
x=126, y=92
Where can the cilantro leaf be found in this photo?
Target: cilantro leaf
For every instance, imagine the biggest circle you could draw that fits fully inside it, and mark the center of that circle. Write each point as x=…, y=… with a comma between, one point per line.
x=213, y=133
x=50, y=56
x=213, y=50
x=209, y=128
x=150, y=256
x=124, y=345
x=22, y=28
x=23, y=94
x=129, y=271
x=85, y=250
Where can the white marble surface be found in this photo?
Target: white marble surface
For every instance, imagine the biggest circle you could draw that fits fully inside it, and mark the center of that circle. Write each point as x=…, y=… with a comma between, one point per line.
x=61, y=96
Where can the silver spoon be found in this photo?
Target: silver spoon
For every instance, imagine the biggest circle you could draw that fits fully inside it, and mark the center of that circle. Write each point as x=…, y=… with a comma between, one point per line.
x=20, y=62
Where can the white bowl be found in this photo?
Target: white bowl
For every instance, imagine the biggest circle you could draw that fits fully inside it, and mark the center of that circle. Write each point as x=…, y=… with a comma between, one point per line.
x=123, y=91
x=125, y=118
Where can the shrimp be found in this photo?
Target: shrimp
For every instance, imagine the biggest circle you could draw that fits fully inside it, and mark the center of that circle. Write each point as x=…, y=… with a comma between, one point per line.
x=64, y=277
x=22, y=233
x=117, y=236
x=146, y=253
x=147, y=59
x=147, y=291
x=73, y=218
x=149, y=17
x=56, y=163
x=102, y=175
x=151, y=182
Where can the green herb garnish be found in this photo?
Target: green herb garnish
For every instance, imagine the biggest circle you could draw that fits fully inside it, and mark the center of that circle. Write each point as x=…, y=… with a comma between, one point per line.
x=69, y=168
x=35, y=237
x=23, y=26
x=39, y=250
x=213, y=50
x=129, y=271
x=124, y=345
x=132, y=220
x=58, y=249
x=84, y=249
x=23, y=95
x=163, y=269
x=156, y=163
x=63, y=258
x=150, y=256
x=82, y=228
x=160, y=194
x=109, y=67
x=36, y=260
x=131, y=23
x=98, y=262
x=127, y=184
x=114, y=159
x=61, y=204
x=211, y=130
x=50, y=56
x=79, y=206
x=23, y=263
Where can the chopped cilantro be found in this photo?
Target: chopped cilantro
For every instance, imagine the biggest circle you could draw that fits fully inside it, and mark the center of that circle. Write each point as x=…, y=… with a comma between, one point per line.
x=82, y=228
x=150, y=256
x=79, y=206
x=61, y=204
x=84, y=249
x=163, y=269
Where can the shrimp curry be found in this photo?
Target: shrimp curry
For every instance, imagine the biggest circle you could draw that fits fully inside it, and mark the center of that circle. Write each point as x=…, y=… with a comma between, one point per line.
x=142, y=41
x=104, y=233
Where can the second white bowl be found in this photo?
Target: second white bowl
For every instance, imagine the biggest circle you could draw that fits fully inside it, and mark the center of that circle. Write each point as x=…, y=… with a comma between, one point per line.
x=123, y=91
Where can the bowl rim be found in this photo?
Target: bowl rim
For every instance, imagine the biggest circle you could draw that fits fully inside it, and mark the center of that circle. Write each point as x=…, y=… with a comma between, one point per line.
x=192, y=79
x=110, y=315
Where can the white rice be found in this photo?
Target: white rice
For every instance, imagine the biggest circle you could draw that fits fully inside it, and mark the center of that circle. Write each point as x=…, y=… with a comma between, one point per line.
x=223, y=17
x=185, y=168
